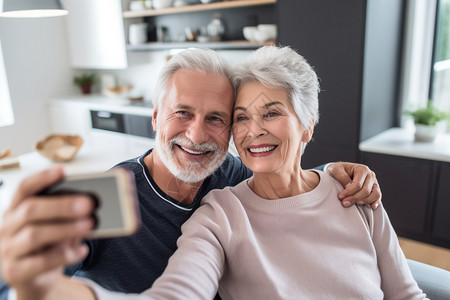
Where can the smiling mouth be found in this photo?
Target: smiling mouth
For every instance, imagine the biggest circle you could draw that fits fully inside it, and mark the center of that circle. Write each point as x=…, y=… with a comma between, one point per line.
x=193, y=152
x=261, y=149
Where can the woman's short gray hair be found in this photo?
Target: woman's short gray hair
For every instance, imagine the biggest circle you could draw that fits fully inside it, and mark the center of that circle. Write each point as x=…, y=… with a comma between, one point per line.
x=282, y=67
x=193, y=59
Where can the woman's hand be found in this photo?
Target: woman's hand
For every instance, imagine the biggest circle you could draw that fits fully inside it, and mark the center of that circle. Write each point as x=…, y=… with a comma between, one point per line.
x=40, y=234
x=359, y=182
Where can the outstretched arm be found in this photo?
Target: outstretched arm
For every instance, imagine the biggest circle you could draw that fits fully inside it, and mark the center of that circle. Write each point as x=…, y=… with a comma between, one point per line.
x=41, y=234
x=359, y=182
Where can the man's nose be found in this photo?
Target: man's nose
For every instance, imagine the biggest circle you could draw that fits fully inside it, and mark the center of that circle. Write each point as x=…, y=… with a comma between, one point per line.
x=197, y=132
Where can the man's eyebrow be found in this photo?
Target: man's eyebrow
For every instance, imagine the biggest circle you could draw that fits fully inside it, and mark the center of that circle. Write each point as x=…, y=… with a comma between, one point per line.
x=215, y=112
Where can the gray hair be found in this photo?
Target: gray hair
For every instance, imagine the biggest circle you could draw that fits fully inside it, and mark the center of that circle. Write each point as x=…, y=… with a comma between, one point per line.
x=205, y=61
x=282, y=67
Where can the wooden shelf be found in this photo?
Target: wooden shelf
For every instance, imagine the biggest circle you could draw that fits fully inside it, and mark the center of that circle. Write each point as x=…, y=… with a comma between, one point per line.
x=226, y=45
x=194, y=8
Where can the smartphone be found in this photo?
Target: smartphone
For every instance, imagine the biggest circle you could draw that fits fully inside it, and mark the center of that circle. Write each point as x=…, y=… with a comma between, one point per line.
x=118, y=207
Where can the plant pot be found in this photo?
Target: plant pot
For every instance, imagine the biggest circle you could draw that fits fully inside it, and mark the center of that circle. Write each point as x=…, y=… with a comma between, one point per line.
x=85, y=88
x=425, y=133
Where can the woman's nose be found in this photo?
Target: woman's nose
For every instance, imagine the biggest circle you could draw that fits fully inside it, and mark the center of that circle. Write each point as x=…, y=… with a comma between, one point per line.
x=256, y=128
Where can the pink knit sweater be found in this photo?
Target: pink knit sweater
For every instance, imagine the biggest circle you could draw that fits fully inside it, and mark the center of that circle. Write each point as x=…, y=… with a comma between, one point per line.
x=302, y=247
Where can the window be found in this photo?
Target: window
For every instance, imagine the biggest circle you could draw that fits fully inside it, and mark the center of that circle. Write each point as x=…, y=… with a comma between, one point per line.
x=426, y=64
x=6, y=114
x=440, y=79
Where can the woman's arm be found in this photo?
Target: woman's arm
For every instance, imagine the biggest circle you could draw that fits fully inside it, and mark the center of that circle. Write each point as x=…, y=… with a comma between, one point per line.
x=193, y=271
x=397, y=281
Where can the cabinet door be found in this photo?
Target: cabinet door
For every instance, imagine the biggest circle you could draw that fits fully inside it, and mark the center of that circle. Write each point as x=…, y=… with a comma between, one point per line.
x=96, y=34
x=405, y=184
x=441, y=221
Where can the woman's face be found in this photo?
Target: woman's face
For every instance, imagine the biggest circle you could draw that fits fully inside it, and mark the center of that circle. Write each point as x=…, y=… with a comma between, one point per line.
x=266, y=130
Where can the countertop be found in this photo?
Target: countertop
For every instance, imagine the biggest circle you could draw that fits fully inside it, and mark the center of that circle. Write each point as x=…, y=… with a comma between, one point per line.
x=86, y=161
x=400, y=142
x=112, y=104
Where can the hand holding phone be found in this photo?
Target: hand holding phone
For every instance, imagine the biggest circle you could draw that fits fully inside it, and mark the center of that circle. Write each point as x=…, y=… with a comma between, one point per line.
x=117, y=213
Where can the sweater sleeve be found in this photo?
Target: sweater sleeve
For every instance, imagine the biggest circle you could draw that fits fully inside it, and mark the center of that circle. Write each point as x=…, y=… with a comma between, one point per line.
x=397, y=281
x=194, y=270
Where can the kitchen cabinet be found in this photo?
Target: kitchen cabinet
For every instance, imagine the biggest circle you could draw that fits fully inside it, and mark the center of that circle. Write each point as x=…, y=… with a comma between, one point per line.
x=441, y=220
x=73, y=116
x=234, y=14
x=95, y=34
x=415, y=195
x=354, y=47
x=405, y=183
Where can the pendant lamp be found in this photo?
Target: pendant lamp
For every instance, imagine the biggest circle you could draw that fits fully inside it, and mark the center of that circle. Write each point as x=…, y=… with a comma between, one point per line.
x=31, y=9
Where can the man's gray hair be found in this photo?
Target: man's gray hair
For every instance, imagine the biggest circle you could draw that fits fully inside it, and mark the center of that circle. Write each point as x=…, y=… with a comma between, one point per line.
x=282, y=67
x=205, y=61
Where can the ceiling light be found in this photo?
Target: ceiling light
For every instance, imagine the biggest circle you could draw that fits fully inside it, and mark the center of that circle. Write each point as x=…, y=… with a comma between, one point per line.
x=32, y=9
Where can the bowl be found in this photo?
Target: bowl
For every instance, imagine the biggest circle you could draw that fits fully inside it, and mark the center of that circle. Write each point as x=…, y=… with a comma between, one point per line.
x=267, y=31
x=59, y=148
x=158, y=4
x=118, y=91
x=249, y=33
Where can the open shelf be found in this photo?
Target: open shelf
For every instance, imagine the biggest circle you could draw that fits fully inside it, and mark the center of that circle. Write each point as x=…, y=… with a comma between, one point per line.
x=196, y=7
x=224, y=45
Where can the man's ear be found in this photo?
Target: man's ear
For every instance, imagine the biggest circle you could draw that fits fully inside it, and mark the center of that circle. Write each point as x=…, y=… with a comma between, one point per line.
x=154, y=118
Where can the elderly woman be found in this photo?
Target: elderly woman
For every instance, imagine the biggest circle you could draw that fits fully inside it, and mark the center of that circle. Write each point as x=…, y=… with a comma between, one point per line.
x=279, y=235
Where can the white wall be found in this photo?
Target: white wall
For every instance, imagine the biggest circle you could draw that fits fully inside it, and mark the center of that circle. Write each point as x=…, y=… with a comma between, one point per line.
x=37, y=63
x=37, y=66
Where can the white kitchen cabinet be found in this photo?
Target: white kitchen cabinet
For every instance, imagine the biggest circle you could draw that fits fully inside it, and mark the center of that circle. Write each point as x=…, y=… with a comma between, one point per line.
x=73, y=116
x=96, y=34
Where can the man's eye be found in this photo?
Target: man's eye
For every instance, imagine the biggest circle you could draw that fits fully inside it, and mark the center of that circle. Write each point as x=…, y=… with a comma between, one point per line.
x=183, y=114
x=216, y=119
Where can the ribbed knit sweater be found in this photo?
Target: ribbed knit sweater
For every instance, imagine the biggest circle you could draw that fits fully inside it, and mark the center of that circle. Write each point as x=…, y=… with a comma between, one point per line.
x=302, y=247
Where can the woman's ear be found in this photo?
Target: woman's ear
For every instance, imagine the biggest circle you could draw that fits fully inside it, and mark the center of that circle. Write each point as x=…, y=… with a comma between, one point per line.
x=307, y=134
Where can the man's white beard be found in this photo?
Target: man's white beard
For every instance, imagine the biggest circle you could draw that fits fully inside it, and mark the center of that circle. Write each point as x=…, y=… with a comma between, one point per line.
x=190, y=171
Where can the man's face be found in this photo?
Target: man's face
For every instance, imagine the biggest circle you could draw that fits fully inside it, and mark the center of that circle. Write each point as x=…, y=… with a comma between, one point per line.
x=193, y=124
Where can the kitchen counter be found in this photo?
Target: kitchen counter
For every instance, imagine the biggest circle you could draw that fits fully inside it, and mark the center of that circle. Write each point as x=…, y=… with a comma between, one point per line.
x=400, y=142
x=87, y=160
x=112, y=104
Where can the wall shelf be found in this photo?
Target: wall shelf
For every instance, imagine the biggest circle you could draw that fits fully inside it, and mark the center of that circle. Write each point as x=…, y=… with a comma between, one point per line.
x=195, y=8
x=225, y=45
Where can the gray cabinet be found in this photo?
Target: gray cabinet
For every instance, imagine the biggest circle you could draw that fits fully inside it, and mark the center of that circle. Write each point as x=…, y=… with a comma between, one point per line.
x=416, y=196
x=441, y=220
x=357, y=61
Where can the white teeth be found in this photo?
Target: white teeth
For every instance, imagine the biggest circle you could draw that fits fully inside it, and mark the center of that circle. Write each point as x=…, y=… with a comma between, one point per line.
x=193, y=152
x=262, y=149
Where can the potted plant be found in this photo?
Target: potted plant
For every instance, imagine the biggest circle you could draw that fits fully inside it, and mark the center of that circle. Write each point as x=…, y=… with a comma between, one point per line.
x=85, y=81
x=426, y=120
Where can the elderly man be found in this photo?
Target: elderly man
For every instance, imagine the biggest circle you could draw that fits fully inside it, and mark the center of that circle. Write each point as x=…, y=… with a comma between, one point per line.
x=192, y=117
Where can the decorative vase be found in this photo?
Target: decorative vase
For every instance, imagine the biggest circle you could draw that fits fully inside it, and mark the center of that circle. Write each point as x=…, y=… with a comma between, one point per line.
x=85, y=88
x=425, y=133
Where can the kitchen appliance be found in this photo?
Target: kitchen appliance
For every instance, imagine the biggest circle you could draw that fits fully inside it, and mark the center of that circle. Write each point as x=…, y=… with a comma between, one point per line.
x=138, y=125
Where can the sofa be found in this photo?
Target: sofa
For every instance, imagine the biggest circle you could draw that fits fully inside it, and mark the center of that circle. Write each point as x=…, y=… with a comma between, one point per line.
x=433, y=281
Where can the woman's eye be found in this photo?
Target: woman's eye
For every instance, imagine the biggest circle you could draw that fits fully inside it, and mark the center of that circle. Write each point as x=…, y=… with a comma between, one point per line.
x=272, y=114
x=240, y=118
